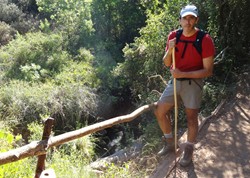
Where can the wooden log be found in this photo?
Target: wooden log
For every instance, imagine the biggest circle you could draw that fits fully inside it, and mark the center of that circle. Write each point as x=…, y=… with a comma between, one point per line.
x=40, y=147
x=48, y=124
x=32, y=149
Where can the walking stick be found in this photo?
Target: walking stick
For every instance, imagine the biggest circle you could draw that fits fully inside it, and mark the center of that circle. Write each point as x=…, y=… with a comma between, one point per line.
x=176, y=106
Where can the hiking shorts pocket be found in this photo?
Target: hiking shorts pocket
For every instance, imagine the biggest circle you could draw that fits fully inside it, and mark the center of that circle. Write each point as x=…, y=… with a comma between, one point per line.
x=191, y=93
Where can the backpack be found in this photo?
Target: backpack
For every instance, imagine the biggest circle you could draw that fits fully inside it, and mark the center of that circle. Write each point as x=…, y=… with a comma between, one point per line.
x=197, y=43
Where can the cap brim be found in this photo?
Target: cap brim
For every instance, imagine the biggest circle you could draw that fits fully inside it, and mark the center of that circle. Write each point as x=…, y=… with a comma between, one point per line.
x=188, y=13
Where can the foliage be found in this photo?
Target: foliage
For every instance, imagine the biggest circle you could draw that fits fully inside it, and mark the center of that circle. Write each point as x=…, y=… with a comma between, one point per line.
x=79, y=70
x=72, y=18
x=9, y=11
x=152, y=137
x=45, y=80
x=236, y=19
x=35, y=130
x=228, y=20
x=22, y=168
x=116, y=171
x=27, y=6
x=69, y=105
x=117, y=22
x=7, y=140
x=7, y=33
x=143, y=57
x=33, y=57
x=65, y=160
x=20, y=15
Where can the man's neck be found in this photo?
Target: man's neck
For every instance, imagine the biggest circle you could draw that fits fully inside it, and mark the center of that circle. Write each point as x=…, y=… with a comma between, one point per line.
x=189, y=32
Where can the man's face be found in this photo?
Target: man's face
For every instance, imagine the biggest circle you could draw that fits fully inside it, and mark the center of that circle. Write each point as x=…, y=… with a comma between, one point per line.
x=188, y=22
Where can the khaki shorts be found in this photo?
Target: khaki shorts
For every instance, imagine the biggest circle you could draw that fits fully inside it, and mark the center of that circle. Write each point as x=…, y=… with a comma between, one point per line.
x=189, y=91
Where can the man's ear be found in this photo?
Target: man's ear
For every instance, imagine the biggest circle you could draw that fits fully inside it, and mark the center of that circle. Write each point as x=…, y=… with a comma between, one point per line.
x=197, y=20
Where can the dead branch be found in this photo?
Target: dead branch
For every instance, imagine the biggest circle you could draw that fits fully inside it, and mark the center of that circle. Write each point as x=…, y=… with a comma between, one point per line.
x=155, y=76
x=157, y=92
x=220, y=56
x=48, y=124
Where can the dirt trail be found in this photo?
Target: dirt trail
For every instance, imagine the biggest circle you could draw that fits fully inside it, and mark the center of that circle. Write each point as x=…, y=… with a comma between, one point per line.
x=223, y=147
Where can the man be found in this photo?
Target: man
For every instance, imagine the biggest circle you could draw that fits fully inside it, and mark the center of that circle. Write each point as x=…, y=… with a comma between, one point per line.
x=191, y=67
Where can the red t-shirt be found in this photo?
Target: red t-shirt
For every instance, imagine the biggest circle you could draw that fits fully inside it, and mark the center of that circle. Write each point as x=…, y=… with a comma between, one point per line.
x=192, y=60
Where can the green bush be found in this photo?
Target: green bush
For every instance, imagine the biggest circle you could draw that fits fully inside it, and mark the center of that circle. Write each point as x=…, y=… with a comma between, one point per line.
x=9, y=12
x=22, y=168
x=34, y=57
x=79, y=71
x=70, y=158
x=39, y=78
x=71, y=18
x=7, y=33
x=23, y=103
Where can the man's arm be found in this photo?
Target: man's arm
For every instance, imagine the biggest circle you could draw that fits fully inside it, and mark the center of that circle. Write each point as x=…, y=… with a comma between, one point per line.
x=167, y=58
x=208, y=65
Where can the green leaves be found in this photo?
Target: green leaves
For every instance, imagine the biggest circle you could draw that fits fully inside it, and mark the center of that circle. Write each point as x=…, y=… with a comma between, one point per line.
x=72, y=18
x=143, y=58
x=34, y=57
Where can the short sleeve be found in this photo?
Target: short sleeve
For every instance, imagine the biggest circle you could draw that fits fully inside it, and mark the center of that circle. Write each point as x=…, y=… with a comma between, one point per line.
x=208, y=48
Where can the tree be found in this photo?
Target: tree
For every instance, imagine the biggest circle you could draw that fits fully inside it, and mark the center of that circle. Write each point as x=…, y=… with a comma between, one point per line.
x=72, y=18
x=117, y=23
x=143, y=58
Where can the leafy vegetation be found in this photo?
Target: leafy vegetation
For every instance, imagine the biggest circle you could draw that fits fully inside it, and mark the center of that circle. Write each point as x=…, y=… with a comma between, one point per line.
x=64, y=160
x=83, y=61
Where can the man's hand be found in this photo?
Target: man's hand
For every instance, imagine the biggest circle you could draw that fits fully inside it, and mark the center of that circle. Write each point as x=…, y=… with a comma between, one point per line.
x=172, y=43
x=167, y=58
x=176, y=73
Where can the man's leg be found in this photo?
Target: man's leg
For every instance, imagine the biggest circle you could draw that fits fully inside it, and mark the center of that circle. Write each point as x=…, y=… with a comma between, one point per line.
x=192, y=122
x=162, y=113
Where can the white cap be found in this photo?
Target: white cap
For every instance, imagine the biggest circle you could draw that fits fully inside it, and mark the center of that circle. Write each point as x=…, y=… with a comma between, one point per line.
x=189, y=10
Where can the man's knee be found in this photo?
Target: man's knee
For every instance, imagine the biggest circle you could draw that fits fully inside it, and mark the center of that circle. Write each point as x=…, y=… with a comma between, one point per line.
x=192, y=113
x=162, y=109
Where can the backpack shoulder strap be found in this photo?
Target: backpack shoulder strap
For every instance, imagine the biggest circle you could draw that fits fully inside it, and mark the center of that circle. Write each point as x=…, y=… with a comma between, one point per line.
x=178, y=35
x=198, y=42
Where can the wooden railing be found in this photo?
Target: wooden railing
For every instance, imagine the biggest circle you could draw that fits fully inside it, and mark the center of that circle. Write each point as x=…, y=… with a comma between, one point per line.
x=39, y=148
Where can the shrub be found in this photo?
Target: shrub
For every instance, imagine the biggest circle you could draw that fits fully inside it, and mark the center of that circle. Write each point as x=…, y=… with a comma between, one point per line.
x=9, y=12
x=23, y=103
x=21, y=168
x=34, y=57
x=69, y=159
x=7, y=33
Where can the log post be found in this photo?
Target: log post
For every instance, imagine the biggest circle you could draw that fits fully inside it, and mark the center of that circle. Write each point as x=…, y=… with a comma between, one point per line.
x=48, y=124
